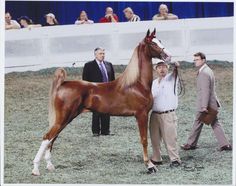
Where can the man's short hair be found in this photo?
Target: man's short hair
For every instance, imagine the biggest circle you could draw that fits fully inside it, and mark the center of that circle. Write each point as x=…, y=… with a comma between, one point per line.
x=200, y=54
x=164, y=6
x=128, y=9
x=109, y=8
x=98, y=48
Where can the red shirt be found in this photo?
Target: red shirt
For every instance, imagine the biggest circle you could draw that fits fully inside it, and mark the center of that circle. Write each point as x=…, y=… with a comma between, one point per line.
x=108, y=20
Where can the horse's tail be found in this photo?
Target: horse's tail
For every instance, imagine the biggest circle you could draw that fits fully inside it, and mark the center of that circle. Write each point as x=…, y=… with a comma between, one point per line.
x=58, y=79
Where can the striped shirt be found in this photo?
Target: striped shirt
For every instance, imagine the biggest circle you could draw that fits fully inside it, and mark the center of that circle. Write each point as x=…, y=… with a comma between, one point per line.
x=135, y=18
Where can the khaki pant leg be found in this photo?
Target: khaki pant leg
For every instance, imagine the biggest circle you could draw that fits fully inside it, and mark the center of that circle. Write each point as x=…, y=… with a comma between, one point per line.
x=219, y=133
x=196, y=131
x=169, y=134
x=155, y=135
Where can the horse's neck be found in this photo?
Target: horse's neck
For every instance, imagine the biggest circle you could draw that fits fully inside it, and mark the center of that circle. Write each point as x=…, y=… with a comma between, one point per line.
x=146, y=74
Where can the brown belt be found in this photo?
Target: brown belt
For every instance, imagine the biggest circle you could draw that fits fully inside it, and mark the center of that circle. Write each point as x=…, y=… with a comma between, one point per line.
x=164, y=112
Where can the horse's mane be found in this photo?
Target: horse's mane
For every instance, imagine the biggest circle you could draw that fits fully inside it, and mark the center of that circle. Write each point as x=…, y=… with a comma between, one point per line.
x=131, y=73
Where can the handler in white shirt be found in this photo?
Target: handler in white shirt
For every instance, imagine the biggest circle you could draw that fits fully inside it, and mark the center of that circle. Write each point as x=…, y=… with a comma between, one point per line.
x=163, y=120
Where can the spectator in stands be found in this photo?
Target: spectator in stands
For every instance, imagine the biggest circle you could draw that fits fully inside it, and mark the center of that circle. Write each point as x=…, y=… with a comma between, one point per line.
x=109, y=17
x=164, y=14
x=130, y=16
x=51, y=20
x=83, y=19
x=9, y=23
x=26, y=22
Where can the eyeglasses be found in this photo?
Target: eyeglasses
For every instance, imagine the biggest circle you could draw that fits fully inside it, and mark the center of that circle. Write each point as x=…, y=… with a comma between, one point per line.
x=197, y=60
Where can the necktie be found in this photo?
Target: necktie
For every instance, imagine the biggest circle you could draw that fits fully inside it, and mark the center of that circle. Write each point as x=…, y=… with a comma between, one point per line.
x=104, y=76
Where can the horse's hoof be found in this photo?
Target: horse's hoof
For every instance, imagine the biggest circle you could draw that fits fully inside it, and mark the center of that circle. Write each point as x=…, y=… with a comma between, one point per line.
x=51, y=167
x=152, y=170
x=35, y=172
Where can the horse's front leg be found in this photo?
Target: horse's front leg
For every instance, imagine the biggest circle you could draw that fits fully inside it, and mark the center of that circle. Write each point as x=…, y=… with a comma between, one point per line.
x=142, y=119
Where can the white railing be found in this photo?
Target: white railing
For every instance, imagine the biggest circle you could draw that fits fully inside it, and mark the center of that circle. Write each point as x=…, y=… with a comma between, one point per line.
x=64, y=45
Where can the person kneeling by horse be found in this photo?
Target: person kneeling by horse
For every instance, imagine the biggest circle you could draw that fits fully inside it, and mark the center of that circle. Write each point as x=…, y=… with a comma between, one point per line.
x=163, y=120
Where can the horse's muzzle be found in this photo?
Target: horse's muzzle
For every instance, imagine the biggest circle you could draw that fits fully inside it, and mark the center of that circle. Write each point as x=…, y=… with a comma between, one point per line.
x=166, y=56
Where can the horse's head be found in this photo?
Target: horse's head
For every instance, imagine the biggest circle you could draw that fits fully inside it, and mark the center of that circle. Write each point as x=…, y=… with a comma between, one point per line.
x=156, y=49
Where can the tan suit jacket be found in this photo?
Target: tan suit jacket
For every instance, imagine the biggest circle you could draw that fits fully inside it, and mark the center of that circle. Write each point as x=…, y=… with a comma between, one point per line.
x=206, y=95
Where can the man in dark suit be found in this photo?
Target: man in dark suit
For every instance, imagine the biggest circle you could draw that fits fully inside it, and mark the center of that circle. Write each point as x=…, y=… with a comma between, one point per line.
x=99, y=70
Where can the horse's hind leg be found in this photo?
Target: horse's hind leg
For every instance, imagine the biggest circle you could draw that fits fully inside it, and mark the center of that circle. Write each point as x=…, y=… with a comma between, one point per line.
x=48, y=138
x=63, y=118
x=38, y=157
x=47, y=156
x=59, y=125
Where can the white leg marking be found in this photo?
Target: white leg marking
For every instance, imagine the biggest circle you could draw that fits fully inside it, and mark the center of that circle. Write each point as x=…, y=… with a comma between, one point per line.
x=150, y=165
x=39, y=156
x=47, y=157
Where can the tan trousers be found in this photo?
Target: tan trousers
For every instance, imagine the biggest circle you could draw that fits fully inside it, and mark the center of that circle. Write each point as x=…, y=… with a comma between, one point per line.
x=164, y=127
x=197, y=128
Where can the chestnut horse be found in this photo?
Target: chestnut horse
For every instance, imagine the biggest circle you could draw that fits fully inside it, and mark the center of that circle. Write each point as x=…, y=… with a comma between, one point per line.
x=128, y=95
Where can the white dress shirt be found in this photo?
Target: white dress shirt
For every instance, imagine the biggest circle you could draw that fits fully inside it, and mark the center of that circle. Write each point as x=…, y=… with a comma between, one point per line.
x=202, y=67
x=104, y=67
x=78, y=22
x=164, y=98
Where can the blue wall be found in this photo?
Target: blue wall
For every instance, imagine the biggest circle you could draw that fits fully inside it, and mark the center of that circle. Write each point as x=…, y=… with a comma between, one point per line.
x=67, y=12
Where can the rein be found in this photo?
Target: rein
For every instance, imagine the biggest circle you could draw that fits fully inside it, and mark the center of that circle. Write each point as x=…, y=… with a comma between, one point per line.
x=181, y=84
x=177, y=76
x=162, y=50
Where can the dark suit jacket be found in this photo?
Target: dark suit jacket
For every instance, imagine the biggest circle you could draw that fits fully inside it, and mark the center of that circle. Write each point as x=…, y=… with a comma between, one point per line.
x=92, y=72
x=206, y=95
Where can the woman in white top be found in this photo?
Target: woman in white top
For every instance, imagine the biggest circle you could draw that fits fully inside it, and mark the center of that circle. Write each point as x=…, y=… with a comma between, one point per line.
x=83, y=19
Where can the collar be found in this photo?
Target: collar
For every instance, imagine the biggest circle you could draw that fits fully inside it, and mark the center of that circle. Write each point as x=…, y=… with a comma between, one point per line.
x=159, y=79
x=98, y=62
x=202, y=67
x=132, y=16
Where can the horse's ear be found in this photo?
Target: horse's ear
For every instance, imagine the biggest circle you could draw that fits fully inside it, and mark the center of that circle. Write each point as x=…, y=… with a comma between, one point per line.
x=153, y=33
x=148, y=33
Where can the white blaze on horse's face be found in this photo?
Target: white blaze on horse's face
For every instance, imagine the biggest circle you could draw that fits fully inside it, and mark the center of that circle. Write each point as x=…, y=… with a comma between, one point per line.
x=155, y=40
x=166, y=56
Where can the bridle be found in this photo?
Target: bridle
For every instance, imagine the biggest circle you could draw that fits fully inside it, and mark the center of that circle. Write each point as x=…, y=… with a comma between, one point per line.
x=177, y=74
x=152, y=43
